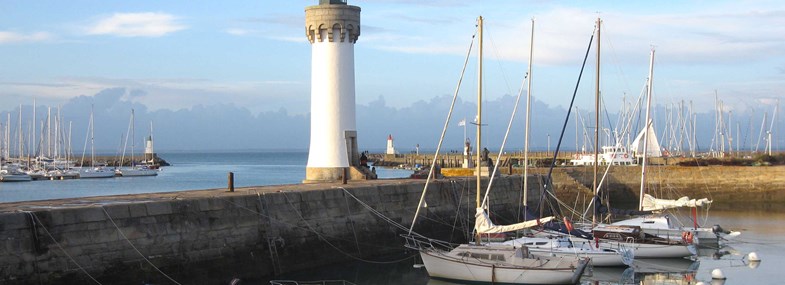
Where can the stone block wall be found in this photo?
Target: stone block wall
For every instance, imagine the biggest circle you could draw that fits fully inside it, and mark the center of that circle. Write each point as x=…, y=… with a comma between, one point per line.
x=215, y=235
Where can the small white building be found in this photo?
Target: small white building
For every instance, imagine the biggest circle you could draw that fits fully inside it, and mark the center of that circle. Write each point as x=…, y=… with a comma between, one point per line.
x=390, y=145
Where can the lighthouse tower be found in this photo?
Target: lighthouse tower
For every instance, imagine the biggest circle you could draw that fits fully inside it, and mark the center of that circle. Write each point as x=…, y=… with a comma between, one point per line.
x=332, y=27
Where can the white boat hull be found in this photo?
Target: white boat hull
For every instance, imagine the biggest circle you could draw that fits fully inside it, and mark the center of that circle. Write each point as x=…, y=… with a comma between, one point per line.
x=565, y=248
x=643, y=250
x=132, y=172
x=91, y=173
x=14, y=177
x=553, y=270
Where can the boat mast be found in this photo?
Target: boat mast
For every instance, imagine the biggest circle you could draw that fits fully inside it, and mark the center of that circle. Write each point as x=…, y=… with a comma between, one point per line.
x=646, y=132
x=133, y=137
x=92, y=138
x=526, y=140
x=596, y=124
x=19, y=134
x=479, y=117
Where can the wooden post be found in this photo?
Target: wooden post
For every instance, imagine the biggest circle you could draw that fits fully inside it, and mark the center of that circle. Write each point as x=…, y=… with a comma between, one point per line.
x=344, y=178
x=231, y=181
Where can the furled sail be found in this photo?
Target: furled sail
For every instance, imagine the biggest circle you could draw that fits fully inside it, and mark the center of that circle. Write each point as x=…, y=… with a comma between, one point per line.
x=653, y=204
x=484, y=225
x=653, y=149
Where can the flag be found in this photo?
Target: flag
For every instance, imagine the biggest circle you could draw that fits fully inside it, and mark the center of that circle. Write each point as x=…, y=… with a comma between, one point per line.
x=462, y=123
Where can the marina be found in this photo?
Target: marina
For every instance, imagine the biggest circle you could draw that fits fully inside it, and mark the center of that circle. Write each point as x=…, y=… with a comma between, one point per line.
x=268, y=164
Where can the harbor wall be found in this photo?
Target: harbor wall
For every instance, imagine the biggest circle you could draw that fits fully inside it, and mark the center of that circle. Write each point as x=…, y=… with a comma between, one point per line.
x=212, y=236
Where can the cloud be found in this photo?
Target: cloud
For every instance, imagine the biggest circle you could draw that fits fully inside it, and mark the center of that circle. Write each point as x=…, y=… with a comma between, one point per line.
x=166, y=93
x=13, y=37
x=148, y=24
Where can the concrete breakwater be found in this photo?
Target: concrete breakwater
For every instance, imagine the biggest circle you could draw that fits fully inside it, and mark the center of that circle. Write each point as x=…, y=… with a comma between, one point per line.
x=212, y=236
x=121, y=161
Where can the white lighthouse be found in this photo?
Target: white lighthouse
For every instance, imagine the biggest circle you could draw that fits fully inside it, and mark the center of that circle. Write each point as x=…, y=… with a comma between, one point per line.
x=332, y=27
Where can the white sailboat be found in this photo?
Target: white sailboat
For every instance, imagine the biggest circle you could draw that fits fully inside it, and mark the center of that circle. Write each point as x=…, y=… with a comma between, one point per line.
x=646, y=245
x=562, y=245
x=486, y=262
x=93, y=171
x=11, y=173
x=134, y=170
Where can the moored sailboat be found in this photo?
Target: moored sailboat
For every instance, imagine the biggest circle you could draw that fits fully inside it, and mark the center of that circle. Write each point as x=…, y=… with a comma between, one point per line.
x=488, y=262
x=134, y=169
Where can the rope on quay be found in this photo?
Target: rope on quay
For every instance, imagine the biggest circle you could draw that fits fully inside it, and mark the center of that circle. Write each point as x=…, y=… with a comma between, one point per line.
x=310, y=229
x=137, y=250
x=334, y=246
x=32, y=214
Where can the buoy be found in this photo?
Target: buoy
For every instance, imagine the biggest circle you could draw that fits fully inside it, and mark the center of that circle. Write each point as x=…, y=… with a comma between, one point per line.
x=419, y=265
x=700, y=283
x=752, y=256
x=717, y=274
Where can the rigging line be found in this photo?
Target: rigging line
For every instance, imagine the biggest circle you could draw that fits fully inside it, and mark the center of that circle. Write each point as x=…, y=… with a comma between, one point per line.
x=136, y=249
x=292, y=225
x=331, y=244
x=567, y=118
x=498, y=62
x=61, y=247
x=504, y=141
x=444, y=131
x=354, y=232
x=377, y=213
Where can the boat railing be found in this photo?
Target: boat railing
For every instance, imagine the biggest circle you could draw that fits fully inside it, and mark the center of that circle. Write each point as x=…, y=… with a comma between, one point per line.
x=418, y=242
x=318, y=282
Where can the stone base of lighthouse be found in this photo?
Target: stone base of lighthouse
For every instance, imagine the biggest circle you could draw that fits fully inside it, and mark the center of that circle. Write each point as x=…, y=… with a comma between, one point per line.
x=336, y=174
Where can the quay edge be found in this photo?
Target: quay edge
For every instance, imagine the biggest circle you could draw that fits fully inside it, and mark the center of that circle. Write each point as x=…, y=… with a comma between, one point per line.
x=212, y=236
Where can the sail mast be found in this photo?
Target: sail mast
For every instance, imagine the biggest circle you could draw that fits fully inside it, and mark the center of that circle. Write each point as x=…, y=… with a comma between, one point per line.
x=479, y=110
x=479, y=117
x=526, y=143
x=646, y=130
x=596, y=124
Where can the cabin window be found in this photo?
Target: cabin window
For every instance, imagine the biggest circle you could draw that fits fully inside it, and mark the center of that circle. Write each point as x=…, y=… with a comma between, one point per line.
x=484, y=256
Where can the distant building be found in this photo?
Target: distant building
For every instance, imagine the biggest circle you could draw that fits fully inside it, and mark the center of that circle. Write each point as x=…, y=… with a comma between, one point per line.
x=390, y=145
x=149, y=153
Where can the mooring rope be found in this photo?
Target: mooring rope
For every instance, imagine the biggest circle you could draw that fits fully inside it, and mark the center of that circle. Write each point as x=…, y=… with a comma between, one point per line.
x=136, y=249
x=290, y=224
x=319, y=235
x=61, y=247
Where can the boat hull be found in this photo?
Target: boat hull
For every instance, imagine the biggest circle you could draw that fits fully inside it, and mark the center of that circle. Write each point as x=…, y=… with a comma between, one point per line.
x=643, y=250
x=15, y=178
x=548, y=271
x=96, y=174
x=133, y=172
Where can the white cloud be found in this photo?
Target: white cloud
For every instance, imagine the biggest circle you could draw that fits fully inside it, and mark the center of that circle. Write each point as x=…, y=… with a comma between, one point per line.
x=166, y=93
x=149, y=24
x=13, y=37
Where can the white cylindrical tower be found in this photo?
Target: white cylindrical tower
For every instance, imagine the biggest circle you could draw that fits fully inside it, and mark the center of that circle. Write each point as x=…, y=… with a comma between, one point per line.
x=332, y=27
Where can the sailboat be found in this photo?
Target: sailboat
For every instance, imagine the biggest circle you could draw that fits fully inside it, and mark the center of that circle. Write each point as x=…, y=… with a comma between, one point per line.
x=489, y=262
x=11, y=172
x=562, y=245
x=93, y=171
x=646, y=245
x=134, y=170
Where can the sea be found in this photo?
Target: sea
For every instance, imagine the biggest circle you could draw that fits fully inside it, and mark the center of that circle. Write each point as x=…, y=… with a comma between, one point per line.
x=188, y=171
x=762, y=228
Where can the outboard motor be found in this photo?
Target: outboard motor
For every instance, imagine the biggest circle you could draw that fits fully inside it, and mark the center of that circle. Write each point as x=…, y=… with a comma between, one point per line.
x=718, y=230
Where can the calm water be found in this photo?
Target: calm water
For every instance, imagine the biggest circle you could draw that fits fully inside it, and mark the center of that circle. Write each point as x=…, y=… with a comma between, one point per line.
x=189, y=171
x=762, y=232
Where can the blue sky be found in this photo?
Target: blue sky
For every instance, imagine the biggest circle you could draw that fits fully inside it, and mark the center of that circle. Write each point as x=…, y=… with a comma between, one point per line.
x=254, y=54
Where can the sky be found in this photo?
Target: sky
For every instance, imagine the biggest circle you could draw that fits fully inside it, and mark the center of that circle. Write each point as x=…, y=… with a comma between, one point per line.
x=253, y=55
